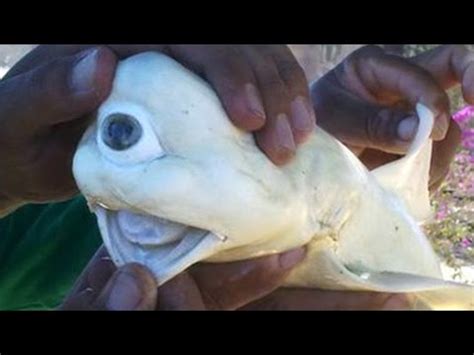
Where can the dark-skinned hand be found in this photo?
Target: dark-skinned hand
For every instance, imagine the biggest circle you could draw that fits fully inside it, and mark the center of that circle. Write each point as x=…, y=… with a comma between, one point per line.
x=368, y=102
x=246, y=285
x=46, y=101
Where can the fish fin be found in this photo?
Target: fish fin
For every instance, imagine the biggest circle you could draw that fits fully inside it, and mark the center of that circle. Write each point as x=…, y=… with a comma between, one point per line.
x=448, y=299
x=428, y=292
x=408, y=177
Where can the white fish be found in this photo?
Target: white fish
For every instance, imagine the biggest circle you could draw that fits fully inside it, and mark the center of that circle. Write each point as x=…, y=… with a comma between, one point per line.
x=173, y=182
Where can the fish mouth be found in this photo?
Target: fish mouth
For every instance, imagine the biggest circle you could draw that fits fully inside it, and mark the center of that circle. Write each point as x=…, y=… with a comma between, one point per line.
x=167, y=248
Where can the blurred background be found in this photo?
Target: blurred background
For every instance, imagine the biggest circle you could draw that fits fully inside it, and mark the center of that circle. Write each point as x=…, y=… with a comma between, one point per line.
x=452, y=231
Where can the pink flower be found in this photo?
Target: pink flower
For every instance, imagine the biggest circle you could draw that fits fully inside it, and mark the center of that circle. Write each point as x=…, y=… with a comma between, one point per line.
x=466, y=242
x=468, y=138
x=442, y=212
x=463, y=115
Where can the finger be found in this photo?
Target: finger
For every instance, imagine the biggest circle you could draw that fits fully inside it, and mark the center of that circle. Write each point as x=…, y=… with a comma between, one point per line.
x=443, y=155
x=450, y=65
x=42, y=54
x=127, y=50
x=388, y=80
x=373, y=158
x=232, y=285
x=302, y=118
x=229, y=73
x=180, y=293
x=357, y=122
x=299, y=299
x=57, y=156
x=47, y=53
x=276, y=137
x=60, y=91
x=93, y=279
x=104, y=287
x=132, y=287
x=223, y=66
x=54, y=162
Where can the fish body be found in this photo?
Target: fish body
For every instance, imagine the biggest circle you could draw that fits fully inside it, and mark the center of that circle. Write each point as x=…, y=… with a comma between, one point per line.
x=173, y=183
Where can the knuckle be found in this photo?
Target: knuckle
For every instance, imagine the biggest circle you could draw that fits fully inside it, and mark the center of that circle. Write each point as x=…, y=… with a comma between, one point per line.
x=290, y=69
x=360, y=61
x=272, y=83
x=369, y=52
x=380, y=127
x=229, y=60
x=458, y=50
x=224, y=51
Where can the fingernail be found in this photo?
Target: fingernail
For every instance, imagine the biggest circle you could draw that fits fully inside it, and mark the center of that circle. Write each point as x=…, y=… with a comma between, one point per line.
x=83, y=74
x=302, y=116
x=253, y=100
x=440, y=128
x=125, y=293
x=407, y=128
x=284, y=134
x=292, y=257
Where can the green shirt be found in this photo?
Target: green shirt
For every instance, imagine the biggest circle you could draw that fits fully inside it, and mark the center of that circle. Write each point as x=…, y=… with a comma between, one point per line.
x=43, y=249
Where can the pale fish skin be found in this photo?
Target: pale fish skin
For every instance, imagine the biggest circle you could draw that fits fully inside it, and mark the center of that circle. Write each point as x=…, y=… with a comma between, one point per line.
x=194, y=187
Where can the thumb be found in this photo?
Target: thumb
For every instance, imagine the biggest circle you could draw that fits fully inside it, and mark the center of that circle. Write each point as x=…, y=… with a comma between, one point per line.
x=104, y=287
x=450, y=65
x=368, y=101
x=57, y=92
x=361, y=124
x=131, y=288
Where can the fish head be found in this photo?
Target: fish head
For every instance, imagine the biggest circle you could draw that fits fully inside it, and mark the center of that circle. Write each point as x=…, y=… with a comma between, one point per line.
x=169, y=176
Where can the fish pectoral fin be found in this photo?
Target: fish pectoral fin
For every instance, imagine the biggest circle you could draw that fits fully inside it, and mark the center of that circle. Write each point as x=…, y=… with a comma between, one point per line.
x=408, y=177
x=448, y=299
x=428, y=292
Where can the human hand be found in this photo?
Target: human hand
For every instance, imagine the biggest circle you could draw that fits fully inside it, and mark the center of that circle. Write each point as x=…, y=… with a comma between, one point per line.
x=203, y=287
x=245, y=285
x=43, y=112
x=46, y=100
x=364, y=100
x=262, y=87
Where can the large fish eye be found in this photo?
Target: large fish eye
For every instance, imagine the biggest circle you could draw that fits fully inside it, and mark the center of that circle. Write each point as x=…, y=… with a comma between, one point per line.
x=126, y=134
x=121, y=131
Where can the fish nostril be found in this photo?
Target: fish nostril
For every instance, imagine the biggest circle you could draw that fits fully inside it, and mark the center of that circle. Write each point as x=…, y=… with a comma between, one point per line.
x=121, y=131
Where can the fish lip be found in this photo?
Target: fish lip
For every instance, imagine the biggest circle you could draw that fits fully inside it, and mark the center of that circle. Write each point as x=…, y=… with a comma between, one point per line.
x=166, y=259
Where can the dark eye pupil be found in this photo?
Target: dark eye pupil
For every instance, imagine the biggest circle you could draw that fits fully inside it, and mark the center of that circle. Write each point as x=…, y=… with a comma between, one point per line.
x=121, y=131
